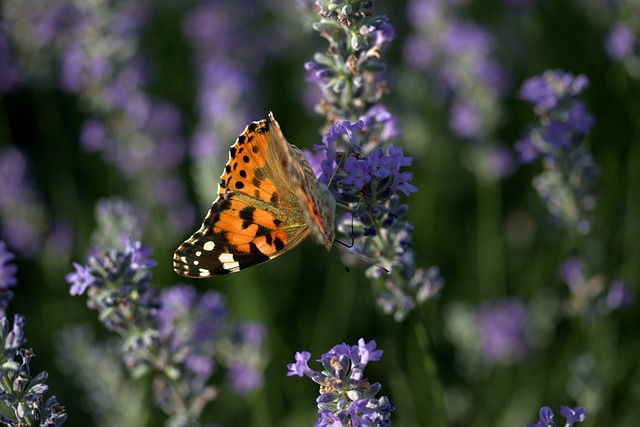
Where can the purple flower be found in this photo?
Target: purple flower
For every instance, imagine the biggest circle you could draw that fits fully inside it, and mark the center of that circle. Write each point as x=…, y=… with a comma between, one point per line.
x=502, y=326
x=572, y=273
x=344, y=127
x=367, y=352
x=579, y=119
x=546, y=418
x=357, y=174
x=300, y=367
x=464, y=119
x=573, y=415
x=620, y=42
x=244, y=377
x=328, y=419
x=546, y=91
x=346, y=396
x=360, y=414
x=380, y=165
x=618, y=296
x=403, y=183
x=80, y=279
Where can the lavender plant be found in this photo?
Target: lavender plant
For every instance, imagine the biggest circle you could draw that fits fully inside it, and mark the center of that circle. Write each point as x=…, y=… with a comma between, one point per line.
x=567, y=184
x=346, y=396
x=357, y=159
x=178, y=336
x=20, y=392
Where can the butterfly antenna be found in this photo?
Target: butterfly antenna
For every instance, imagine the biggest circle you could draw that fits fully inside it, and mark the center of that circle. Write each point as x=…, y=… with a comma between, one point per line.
x=346, y=248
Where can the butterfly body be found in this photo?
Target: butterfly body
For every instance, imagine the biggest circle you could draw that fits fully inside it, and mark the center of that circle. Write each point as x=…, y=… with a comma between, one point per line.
x=269, y=201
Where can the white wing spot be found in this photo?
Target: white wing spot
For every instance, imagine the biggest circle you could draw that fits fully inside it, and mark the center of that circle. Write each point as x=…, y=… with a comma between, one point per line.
x=226, y=257
x=204, y=272
x=196, y=262
x=198, y=253
x=231, y=266
x=209, y=246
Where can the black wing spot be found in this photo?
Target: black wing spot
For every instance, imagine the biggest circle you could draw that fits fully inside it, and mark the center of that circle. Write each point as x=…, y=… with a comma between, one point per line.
x=232, y=152
x=256, y=182
x=228, y=168
x=246, y=214
x=279, y=244
x=245, y=159
x=239, y=185
x=241, y=139
x=277, y=222
x=274, y=199
x=255, y=148
x=243, y=173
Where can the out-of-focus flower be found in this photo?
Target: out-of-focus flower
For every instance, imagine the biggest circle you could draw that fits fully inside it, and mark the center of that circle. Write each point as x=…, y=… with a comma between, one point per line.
x=592, y=296
x=620, y=42
x=567, y=184
x=179, y=336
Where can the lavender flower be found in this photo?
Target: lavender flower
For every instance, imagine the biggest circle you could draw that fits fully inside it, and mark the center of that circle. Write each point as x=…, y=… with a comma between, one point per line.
x=567, y=184
x=180, y=337
x=592, y=296
x=357, y=159
x=503, y=331
x=620, y=42
x=22, y=393
x=346, y=396
x=575, y=415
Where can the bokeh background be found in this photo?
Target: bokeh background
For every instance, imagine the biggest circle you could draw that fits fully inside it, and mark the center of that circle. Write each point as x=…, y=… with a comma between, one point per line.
x=116, y=118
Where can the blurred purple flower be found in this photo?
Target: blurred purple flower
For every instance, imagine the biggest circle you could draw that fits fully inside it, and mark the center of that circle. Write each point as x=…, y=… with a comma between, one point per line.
x=572, y=273
x=620, y=42
x=502, y=326
x=619, y=296
x=79, y=280
x=244, y=378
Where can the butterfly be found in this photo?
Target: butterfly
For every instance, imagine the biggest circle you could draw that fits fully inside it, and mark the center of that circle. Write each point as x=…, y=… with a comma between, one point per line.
x=269, y=201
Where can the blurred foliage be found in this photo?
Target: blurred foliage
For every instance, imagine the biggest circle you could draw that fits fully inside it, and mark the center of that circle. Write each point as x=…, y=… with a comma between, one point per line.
x=490, y=239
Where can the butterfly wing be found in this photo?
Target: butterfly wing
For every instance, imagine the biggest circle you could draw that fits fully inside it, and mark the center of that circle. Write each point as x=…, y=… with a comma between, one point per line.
x=319, y=205
x=257, y=215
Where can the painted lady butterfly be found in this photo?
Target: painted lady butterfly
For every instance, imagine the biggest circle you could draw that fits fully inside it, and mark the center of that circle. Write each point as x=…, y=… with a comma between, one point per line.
x=269, y=201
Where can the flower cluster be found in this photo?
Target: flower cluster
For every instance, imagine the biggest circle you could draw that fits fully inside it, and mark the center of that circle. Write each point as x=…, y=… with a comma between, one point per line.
x=8, y=280
x=592, y=296
x=346, y=396
x=20, y=391
x=179, y=336
x=567, y=183
x=572, y=415
x=356, y=159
